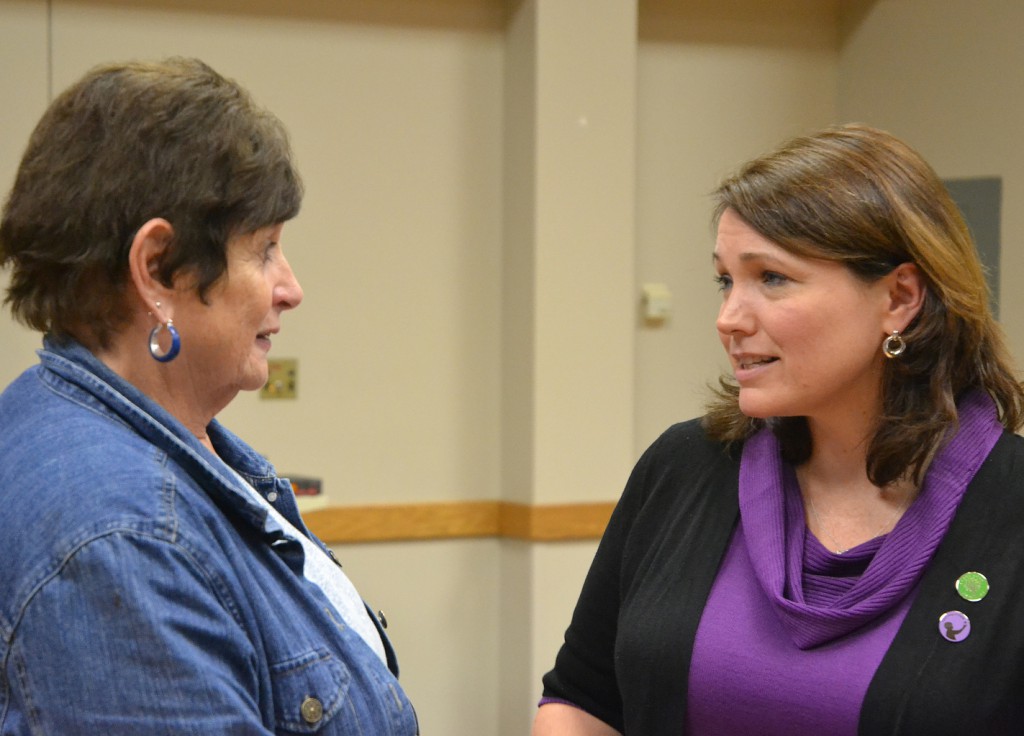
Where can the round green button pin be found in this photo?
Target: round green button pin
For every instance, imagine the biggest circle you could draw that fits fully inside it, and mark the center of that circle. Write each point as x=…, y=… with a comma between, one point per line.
x=972, y=586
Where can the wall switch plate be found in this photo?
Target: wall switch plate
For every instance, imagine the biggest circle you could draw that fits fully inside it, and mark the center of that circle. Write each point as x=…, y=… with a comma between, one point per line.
x=282, y=379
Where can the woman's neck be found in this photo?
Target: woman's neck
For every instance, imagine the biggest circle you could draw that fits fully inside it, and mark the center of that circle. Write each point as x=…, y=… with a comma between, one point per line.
x=842, y=506
x=169, y=385
x=839, y=450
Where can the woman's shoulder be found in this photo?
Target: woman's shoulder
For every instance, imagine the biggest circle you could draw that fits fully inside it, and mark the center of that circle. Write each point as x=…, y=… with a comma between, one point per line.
x=73, y=470
x=682, y=467
x=691, y=437
x=1004, y=465
x=67, y=446
x=691, y=429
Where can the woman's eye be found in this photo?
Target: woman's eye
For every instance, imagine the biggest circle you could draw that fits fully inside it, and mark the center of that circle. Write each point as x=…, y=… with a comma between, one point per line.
x=771, y=278
x=723, y=281
x=268, y=252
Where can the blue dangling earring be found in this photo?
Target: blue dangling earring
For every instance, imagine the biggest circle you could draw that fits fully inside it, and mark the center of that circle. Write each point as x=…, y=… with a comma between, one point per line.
x=154, y=341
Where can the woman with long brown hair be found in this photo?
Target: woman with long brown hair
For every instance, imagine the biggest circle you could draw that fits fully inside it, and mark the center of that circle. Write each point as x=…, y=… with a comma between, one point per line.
x=834, y=547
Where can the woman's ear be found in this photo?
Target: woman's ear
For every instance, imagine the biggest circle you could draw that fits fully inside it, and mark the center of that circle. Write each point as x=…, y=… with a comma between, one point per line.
x=147, y=250
x=907, y=290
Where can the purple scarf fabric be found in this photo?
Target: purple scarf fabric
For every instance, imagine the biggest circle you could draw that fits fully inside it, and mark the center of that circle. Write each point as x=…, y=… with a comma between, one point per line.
x=774, y=529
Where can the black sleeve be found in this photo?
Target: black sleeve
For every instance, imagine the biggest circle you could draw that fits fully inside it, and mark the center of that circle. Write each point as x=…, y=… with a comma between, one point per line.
x=625, y=659
x=584, y=672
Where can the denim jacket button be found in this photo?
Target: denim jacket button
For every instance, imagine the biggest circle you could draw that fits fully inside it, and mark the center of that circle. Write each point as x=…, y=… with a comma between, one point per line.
x=312, y=710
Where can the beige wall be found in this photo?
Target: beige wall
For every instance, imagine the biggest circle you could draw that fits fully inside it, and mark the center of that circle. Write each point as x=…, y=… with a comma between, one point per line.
x=23, y=46
x=718, y=84
x=425, y=183
x=568, y=294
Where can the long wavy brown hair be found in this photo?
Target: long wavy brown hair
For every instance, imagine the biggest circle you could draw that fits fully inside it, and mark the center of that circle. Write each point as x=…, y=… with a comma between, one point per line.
x=863, y=197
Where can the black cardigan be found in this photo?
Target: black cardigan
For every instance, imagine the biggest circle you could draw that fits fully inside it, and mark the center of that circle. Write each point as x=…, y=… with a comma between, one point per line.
x=626, y=656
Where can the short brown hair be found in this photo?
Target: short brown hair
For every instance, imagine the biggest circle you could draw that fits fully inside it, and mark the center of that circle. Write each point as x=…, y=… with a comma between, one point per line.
x=127, y=143
x=862, y=197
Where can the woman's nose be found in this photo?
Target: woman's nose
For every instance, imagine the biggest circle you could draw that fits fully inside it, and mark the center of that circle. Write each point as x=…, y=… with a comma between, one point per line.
x=734, y=314
x=288, y=292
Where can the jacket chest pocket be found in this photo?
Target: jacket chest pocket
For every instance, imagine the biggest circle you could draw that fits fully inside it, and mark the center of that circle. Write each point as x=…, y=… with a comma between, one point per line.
x=310, y=692
x=317, y=693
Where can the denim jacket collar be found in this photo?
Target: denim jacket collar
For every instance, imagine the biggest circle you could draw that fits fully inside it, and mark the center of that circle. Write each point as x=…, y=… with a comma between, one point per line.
x=112, y=394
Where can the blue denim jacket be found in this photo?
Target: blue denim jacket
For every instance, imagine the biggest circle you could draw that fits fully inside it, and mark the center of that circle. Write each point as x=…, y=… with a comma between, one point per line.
x=142, y=592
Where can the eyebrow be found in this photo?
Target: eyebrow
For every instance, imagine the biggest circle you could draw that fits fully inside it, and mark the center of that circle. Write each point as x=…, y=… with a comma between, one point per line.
x=749, y=256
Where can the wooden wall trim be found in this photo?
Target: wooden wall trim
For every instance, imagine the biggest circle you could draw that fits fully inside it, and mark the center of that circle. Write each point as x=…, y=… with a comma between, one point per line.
x=466, y=519
x=554, y=522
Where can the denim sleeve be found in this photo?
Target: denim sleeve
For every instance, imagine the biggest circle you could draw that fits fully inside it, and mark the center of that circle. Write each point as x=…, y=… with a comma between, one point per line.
x=131, y=634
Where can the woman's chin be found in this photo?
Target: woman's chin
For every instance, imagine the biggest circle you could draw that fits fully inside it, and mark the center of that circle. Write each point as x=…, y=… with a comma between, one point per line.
x=254, y=386
x=254, y=382
x=755, y=409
